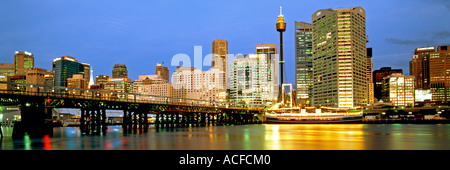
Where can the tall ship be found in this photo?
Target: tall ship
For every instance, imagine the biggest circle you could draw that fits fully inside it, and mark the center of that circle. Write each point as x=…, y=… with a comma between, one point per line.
x=312, y=115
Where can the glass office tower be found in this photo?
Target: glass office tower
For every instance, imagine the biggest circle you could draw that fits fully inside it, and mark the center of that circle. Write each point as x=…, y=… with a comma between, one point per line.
x=63, y=68
x=303, y=62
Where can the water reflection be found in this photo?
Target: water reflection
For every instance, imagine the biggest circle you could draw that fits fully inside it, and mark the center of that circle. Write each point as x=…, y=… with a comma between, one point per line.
x=245, y=137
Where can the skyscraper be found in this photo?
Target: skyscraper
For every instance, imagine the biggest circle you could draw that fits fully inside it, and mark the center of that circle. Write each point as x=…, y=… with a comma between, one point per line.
x=429, y=67
x=249, y=82
x=419, y=67
x=119, y=71
x=64, y=67
x=303, y=62
x=22, y=61
x=270, y=52
x=220, y=59
x=339, y=57
x=162, y=71
x=440, y=74
x=87, y=73
x=369, y=78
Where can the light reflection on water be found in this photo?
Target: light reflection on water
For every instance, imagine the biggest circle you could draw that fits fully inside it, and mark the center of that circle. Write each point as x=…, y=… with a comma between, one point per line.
x=246, y=137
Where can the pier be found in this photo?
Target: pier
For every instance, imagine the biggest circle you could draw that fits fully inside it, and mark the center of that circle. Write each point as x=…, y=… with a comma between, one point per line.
x=36, y=110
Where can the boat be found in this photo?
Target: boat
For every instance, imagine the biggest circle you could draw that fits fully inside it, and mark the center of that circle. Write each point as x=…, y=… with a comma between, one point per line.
x=312, y=115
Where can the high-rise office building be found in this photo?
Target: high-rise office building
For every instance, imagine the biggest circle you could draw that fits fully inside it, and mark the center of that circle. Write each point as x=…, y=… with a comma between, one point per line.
x=303, y=63
x=440, y=74
x=220, y=59
x=398, y=89
x=87, y=73
x=192, y=83
x=162, y=71
x=119, y=71
x=249, y=82
x=369, y=78
x=270, y=52
x=378, y=76
x=64, y=67
x=429, y=67
x=48, y=80
x=419, y=67
x=22, y=61
x=339, y=57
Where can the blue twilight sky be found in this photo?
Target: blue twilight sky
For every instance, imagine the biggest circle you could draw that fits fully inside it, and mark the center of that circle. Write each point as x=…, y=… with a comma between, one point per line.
x=138, y=33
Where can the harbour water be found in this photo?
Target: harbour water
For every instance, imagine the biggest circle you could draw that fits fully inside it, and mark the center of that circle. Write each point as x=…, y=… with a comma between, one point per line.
x=246, y=137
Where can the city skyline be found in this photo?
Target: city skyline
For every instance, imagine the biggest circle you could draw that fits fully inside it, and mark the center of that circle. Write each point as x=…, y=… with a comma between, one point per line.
x=103, y=35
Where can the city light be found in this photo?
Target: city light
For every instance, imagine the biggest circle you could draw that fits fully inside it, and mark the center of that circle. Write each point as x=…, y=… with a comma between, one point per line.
x=309, y=67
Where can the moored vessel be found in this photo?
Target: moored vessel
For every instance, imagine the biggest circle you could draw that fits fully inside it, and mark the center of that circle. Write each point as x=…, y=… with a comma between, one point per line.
x=313, y=115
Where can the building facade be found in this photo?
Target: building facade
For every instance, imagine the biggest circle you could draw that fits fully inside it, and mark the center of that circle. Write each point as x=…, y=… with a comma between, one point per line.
x=398, y=89
x=192, y=83
x=339, y=58
x=430, y=66
x=220, y=59
x=369, y=77
x=419, y=67
x=378, y=76
x=154, y=85
x=77, y=81
x=5, y=86
x=35, y=76
x=119, y=71
x=65, y=67
x=100, y=81
x=7, y=69
x=249, y=81
x=303, y=63
x=121, y=85
x=440, y=74
x=23, y=61
x=162, y=71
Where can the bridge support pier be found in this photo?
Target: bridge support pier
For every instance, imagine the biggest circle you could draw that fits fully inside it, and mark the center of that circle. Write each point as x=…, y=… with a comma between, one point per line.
x=93, y=121
x=36, y=121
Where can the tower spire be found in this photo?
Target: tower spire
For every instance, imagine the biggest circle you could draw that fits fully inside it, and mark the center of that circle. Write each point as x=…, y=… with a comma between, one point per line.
x=281, y=14
x=91, y=79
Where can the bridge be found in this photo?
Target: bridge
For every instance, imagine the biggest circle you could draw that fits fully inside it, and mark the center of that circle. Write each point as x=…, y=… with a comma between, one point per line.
x=36, y=103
